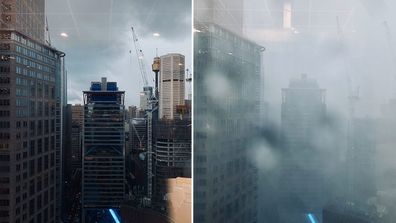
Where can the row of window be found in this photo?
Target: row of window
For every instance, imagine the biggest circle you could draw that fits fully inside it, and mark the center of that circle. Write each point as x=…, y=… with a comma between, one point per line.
x=5, y=69
x=5, y=91
x=4, y=113
x=40, y=146
x=4, y=102
x=32, y=64
x=37, y=56
x=31, y=44
x=20, y=102
x=5, y=46
x=42, y=88
x=21, y=81
x=4, y=135
x=4, y=80
x=32, y=73
x=20, y=113
x=4, y=124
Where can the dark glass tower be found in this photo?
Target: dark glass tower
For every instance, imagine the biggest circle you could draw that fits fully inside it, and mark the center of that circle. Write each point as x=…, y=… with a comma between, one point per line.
x=103, y=165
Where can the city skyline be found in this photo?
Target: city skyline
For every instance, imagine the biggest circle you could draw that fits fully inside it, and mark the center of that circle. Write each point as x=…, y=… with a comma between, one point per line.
x=100, y=39
x=237, y=111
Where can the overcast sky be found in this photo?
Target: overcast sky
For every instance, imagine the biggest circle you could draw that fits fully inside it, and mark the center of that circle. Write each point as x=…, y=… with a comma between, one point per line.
x=100, y=39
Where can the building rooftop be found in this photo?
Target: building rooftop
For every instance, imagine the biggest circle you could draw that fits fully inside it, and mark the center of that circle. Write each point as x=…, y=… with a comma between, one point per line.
x=303, y=82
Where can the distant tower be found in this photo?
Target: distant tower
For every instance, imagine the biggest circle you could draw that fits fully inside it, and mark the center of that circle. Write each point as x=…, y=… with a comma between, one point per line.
x=303, y=110
x=145, y=97
x=156, y=68
x=172, y=85
x=103, y=175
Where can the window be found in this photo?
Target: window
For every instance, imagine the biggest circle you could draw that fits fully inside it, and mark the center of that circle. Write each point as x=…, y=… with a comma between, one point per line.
x=32, y=187
x=31, y=207
x=39, y=146
x=31, y=167
x=4, y=80
x=32, y=128
x=32, y=147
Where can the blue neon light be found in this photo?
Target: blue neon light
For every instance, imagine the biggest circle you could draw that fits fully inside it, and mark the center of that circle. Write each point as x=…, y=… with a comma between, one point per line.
x=113, y=214
x=312, y=218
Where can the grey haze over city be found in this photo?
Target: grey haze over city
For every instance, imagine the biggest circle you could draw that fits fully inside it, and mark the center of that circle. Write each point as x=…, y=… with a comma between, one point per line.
x=339, y=153
x=333, y=41
x=348, y=47
x=100, y=39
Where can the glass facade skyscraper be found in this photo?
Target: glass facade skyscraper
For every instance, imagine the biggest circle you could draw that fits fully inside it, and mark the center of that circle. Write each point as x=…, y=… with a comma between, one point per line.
x=226, y=105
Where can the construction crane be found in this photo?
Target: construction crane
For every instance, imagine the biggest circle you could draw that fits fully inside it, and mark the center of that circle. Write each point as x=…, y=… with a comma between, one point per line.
x=140, y=138
x=353, y=98
x=140, y=58
x=152, y=106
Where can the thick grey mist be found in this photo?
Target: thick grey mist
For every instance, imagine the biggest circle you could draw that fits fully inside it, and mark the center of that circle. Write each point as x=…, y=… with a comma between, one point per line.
x=312, y=157
x=348, y=47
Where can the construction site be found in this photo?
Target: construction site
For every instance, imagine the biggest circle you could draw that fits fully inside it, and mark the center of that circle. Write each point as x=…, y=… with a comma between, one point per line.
x=159, y=134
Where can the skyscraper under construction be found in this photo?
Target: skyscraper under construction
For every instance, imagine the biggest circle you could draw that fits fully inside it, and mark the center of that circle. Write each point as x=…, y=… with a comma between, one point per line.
x=103, y=155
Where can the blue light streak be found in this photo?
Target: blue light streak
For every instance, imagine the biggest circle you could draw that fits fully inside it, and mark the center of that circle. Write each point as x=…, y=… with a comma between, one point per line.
x=311, y=218
x=113, y=214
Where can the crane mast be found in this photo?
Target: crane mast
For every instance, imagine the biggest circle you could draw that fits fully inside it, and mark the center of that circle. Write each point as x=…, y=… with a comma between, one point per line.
x=152, y=106
x=140, y=58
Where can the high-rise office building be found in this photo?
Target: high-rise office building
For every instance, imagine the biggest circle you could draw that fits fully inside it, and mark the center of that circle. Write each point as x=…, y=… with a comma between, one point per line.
x=72, y=162
x=77, y=112
x=103, y=165
x=32, y=98
x=301, y=181
x=73, y=137
x=171, y=85
x=77, y=116
x=227, y=14
x=226, y=106
x=26, y=17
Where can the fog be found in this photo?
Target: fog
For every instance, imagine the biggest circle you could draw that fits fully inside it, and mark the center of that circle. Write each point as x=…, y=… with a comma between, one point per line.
x=348, y=47
x=312, y=152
